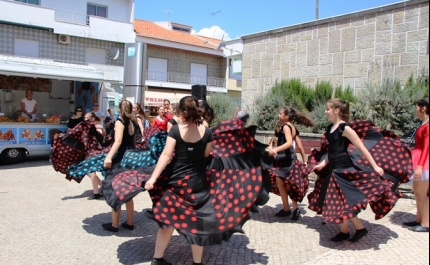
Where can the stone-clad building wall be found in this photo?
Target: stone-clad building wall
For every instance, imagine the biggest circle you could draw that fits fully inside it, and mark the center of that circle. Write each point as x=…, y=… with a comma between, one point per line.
x=349, y=50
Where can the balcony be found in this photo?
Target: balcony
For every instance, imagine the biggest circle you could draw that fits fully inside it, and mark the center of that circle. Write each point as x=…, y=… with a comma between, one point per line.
x=67, y=22
x=170, y=77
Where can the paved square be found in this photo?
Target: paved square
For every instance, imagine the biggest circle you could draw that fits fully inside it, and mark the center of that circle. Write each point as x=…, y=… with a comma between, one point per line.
x=46, y=219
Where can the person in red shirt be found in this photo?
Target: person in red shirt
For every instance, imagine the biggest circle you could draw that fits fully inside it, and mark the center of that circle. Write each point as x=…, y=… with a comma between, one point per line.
x=168, y=110
x=161, y=120
x=420, y=159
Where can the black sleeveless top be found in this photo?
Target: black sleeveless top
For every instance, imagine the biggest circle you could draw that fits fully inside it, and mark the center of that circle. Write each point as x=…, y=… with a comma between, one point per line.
x=127, y=143
x=137, y=132
x=290, y=153
x=173, y=122
x=338, y=147
x=190, y=153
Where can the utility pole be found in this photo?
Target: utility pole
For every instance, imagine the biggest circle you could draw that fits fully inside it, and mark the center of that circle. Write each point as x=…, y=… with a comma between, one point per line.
x=317, y=7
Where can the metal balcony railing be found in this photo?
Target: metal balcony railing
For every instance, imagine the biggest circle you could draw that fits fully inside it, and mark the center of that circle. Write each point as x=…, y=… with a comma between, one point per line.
x=70, y=17
x=185, y=78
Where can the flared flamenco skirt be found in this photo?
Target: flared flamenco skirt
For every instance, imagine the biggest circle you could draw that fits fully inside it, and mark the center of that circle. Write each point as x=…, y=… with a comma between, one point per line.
x=209, y=202
x=121, y=182
x=340, y=194
x=292, y=172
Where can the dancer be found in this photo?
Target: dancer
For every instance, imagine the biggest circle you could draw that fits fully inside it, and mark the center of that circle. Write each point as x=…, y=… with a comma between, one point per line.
x=123, y=140
x=200, y=211
x=348, y=184
x=100, y=134
x=420, y=178
x=142, y=122
x=116, y=162
x=288, y=171
x=208, y=113
x=160, y=121
x=75, y=119
x=175, y=118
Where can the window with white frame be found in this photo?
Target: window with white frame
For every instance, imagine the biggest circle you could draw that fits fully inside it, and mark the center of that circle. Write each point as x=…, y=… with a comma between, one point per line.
x=96, y=10
x=94, y=55
x=27, y=48
x=33, y=2
x=199, y=74
x=157, y=69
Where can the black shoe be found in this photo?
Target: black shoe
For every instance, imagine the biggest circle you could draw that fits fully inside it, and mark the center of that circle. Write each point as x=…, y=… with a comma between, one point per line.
x=411, y=224
x=160, y=262
x=283, y=213
x=340, y=237
x=358, y=235
x=109, y=227
x=95, y=197
x=419, y=228
x=149, y=214
x=129, y=227
x=296, y=215
x=197, y=263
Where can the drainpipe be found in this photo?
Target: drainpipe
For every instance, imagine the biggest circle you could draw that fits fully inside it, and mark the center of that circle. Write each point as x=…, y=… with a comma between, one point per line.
x=227, y=72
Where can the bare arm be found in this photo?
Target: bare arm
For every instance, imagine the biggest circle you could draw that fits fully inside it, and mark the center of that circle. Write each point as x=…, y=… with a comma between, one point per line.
x=119, y=132
x=23, y=109
x=100, y=129
x=139, y=122
x=163, y=161
x=34, y=109
x=288, y=144
x=208, y=149
x=355, y=140
x=321, y=165
x=169, y=126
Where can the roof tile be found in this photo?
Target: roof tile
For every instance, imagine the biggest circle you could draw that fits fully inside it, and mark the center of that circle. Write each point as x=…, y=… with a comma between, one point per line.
x=149, y=29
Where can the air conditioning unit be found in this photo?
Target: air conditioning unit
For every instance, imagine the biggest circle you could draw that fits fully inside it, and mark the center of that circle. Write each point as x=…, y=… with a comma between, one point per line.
x=63, y=39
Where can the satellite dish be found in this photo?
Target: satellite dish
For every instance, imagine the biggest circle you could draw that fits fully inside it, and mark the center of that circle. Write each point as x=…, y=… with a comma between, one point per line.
x=221, y=44
x=113, y=53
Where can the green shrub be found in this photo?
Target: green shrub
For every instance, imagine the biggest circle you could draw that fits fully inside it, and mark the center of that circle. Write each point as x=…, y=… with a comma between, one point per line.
x=323, y=91
x=391, y=106
x=266, y=111
x=224, y=108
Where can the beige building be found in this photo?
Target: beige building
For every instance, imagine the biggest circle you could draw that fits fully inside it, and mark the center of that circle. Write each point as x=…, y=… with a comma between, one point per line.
x=176, y=60
x=349, y=50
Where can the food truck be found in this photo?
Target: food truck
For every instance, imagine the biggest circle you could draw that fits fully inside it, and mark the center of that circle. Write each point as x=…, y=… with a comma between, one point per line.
x=56, y=102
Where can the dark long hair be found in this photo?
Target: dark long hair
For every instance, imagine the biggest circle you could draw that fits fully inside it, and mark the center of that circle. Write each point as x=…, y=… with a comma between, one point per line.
x=295, y=117
x=424, y=102
x=189, y=110
x=208, y=114
x=76, y=110
x=140, y=111
x=343, y=107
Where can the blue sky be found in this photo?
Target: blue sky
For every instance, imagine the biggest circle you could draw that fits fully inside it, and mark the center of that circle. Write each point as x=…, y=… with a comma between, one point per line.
x=234, y=18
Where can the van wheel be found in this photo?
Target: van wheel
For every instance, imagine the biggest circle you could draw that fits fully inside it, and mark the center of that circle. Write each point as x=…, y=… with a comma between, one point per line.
x=13, y=155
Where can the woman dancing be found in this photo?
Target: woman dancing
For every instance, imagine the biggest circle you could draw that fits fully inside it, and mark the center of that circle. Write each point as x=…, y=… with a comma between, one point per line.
x=349, y=177
x=287, y=172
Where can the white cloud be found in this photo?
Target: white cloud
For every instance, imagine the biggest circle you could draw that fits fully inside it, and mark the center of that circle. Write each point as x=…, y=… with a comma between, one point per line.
x=213, y=32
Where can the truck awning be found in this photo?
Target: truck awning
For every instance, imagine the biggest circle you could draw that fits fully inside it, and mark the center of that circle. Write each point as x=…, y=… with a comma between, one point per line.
x=46, y=68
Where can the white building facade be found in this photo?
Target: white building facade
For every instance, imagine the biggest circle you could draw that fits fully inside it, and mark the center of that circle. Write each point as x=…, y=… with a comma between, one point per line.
x=66, y=42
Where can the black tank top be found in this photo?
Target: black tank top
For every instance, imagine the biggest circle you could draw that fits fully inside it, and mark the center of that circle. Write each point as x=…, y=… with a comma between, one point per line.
x=290, y=152
x=338, y=147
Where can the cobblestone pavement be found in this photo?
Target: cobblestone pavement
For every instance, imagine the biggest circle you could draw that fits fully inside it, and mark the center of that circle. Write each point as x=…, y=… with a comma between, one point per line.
x=46, y=219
